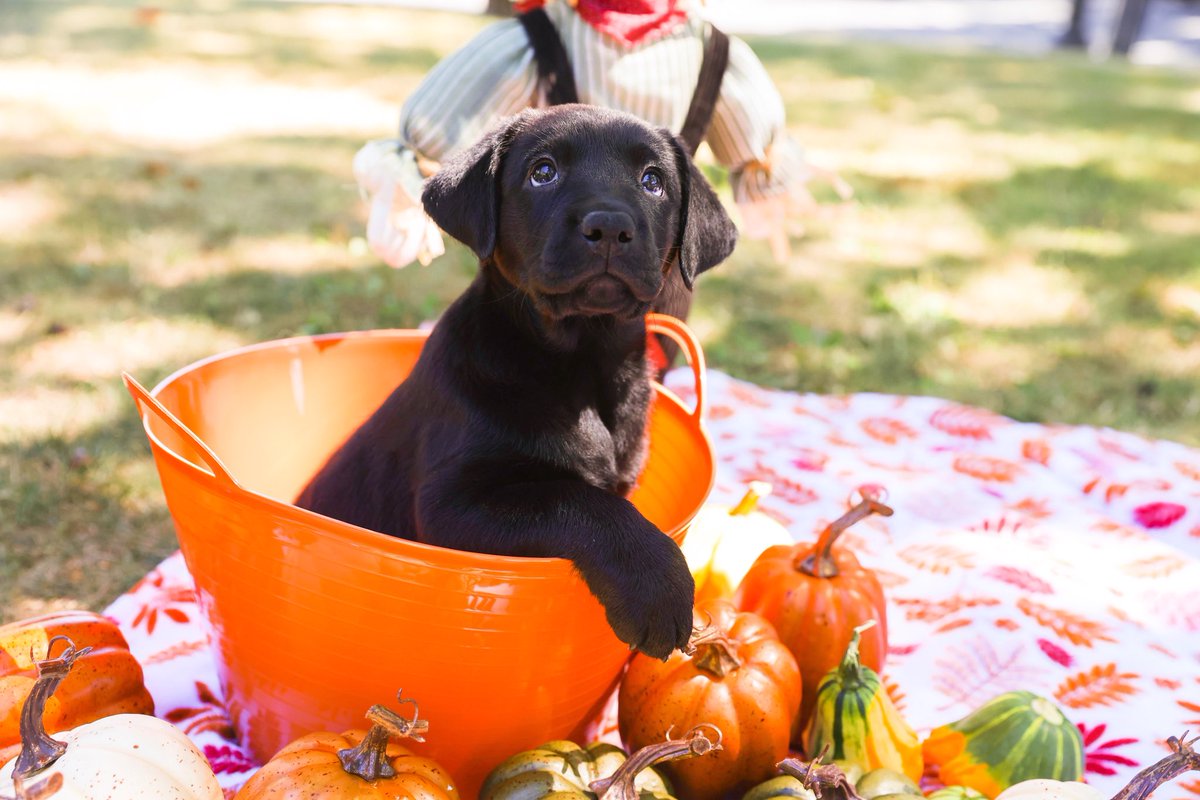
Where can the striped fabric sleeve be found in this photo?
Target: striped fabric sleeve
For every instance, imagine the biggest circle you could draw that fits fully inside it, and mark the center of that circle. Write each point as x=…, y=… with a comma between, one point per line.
x=749, y=135
x=491, y=76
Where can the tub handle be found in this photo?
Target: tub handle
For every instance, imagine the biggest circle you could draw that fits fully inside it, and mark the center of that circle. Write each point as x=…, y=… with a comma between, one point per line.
x=683, y=336
x=148, y=403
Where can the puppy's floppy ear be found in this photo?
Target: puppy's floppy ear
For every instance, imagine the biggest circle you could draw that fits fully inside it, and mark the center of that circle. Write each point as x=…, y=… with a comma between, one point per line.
x=463, y=197
x=706, y=235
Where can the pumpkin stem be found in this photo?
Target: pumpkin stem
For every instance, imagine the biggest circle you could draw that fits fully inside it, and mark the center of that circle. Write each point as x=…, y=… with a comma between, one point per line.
x=820, y=563
x=817, y=776
x=1182, y=759
x=620, y=785
x=369, y=759
x=756, y=491
x=850, y=671
x=38, y=750
x=713, y=652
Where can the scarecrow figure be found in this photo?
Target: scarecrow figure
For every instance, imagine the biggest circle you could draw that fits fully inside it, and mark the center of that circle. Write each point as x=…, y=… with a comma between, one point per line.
x=657, y=59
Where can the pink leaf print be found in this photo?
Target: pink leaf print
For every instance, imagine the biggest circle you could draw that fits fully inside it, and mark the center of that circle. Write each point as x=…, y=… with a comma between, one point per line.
x=226, y=759
x=1055, y=652
x=810, y=460
x=1020, y=578
x=972, y=673
x=1098, y=755
x=1158, y=515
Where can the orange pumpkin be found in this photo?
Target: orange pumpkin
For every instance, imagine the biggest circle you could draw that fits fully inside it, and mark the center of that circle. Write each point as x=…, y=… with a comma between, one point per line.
x=738, y=678
x=106, y=680
x=816, y=597
x=361, y=764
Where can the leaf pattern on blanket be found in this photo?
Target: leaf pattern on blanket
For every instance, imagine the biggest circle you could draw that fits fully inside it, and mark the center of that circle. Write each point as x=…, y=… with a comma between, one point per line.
x=1073, y=627
x=965, y=422
x=887, y=429
x=938, y=558
x=988, y=468
x=1101, y=685
x=970, y=674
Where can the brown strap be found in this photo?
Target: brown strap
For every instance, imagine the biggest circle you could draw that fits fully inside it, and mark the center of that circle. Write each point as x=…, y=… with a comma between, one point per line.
x=555, y=74
x=708, y=89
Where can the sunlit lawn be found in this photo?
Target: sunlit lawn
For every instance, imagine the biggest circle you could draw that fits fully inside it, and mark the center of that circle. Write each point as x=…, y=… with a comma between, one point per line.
x=1026, y=237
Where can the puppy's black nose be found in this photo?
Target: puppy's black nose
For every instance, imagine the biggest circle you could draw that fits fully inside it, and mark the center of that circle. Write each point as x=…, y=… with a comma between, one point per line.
x=607, y=227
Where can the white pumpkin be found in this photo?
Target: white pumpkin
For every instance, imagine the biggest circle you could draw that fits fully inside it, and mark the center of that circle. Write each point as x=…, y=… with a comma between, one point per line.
x=722, y=543
x=125, y=757
x=1045, y=789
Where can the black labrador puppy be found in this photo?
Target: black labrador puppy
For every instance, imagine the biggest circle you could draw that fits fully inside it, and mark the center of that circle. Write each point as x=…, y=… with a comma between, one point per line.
x=522, y=426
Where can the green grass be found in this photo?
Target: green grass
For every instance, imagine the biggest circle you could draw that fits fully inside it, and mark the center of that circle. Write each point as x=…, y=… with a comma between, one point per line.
x=1025, y=237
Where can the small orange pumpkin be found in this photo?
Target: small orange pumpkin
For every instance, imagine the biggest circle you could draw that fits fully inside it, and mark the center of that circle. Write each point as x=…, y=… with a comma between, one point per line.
x=105, y=680
x=738, y=678
x=365, y=765
x=816, y=597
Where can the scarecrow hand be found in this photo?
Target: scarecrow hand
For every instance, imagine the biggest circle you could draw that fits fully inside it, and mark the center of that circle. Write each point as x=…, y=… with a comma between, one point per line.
x=398, y=230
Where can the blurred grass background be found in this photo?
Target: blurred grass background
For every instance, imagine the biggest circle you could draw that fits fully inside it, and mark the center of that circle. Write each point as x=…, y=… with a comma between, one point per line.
x=174, y=182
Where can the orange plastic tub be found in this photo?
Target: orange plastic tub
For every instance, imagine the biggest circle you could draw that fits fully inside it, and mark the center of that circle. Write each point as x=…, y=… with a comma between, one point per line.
x=314, y=620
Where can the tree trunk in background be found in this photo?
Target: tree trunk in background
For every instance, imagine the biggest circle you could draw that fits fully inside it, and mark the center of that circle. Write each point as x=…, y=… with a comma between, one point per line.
x=1129, y=25
x=1074, y=36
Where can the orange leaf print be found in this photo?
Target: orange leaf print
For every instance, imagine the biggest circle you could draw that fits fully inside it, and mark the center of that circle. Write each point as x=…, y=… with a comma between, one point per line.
x=953, y=625
x=1072, y=627
x=1036, y=450
x=1167, y=683
x=1007, y=624
x=1036, y=509
x=1194, y=708
x=941, y=559
x=887, y=430
x=1188, y=470
x=1099, y=686
x=964, y=421
x=987, y=468
x=895, y=693
x=720, y=412
x=1191, y=786
x=1156, y=566
x=932, y=610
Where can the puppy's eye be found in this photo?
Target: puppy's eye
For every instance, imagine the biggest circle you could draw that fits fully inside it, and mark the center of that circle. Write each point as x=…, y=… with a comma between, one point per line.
x=543, y=174
x=652, y=182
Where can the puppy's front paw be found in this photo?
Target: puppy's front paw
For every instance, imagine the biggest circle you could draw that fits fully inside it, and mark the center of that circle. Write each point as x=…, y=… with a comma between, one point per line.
x=651, y=607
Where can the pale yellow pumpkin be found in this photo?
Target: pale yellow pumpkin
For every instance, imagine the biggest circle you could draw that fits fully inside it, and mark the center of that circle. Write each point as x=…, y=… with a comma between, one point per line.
x=723, y=542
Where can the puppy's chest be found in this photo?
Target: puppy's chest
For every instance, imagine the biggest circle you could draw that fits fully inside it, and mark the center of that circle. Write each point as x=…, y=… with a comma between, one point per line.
x=607, y=441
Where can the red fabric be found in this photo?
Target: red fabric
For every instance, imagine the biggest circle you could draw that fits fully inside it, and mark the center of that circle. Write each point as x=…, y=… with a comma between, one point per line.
x=630, y=22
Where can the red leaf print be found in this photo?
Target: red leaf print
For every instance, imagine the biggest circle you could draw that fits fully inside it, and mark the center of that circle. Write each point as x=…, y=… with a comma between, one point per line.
x=887, y=430
x=1167, y=683
x=1158, y=515
x=176, y=614
x=1021, y=579
x=969, y=423
x=1098, y=755
x=226, y=759
x=1055, y=652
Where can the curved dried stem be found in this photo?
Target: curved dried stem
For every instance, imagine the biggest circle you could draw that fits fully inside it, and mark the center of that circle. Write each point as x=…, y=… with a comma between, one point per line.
x=1183, y=759
x=819, y=563
x=620, y=785
x=820, y=778
x=38, y=750
x=369, y=759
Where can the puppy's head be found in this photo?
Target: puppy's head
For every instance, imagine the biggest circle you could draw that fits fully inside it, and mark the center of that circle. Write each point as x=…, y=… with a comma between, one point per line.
x=582, y=209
